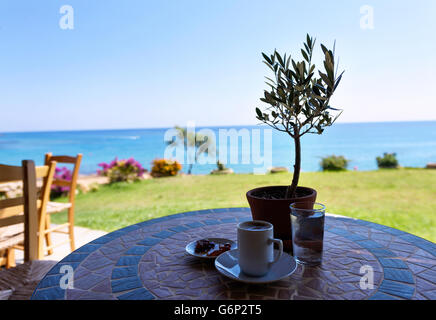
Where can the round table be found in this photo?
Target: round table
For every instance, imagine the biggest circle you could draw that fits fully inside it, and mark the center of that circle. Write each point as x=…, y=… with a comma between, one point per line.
x=148, y=261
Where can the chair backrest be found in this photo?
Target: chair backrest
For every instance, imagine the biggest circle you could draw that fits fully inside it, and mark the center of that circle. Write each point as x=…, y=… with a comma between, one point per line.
x=11, y=209
x=71, y=184
x=44, y=198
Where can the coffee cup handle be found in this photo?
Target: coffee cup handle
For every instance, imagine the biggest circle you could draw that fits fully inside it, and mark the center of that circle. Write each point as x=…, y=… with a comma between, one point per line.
x=279, y=254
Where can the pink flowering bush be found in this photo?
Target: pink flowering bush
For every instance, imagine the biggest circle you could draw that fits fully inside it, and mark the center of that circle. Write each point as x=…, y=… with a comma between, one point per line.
x=63, y=174
x=121, y=170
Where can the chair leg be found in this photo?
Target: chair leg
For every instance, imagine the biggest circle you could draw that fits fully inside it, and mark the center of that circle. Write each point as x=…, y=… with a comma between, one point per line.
x=48, y=240
x=10, y=258
x=71, y=228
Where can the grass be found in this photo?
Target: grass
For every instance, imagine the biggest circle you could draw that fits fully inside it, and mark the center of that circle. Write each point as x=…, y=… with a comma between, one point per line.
x=404, y=199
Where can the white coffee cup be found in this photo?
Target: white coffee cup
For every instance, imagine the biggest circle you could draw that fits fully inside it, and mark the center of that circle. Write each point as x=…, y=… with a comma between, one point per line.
x=256, y=247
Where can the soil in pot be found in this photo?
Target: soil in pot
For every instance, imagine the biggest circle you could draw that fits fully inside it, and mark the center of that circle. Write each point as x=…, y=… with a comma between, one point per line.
x=280, y=193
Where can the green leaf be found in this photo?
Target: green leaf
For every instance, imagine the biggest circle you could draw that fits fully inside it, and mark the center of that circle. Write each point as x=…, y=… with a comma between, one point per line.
x=329, y=69
x=312, y=68
x=266, y=58
x=279, y=58
x=326, y=79
x=287, y=62
x=324, y=49
x=319, y=85
x=317, y=96
x=301, y=67
x=304, y=55
x=332, y=57
x=334, y=109
x=259, y=113
x=338, y=80
x=270, y=80
x=269, y=66
x=294, y=65
x=263, y=100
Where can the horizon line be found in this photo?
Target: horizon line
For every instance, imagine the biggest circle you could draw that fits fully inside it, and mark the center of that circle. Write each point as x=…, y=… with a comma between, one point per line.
x=210, y=126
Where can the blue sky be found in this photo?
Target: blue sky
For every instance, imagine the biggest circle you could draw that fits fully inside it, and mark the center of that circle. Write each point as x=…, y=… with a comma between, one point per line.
x=138, y=64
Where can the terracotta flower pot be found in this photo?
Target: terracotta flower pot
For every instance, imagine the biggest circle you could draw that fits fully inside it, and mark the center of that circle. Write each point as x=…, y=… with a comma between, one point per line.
x=277, y=211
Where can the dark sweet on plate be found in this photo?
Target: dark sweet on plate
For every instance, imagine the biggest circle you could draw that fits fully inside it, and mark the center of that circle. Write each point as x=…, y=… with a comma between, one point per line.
x=222, y=248
x=203, y=246
x=206, y=247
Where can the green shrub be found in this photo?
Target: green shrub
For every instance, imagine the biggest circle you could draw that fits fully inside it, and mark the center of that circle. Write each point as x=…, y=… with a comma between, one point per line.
x=334, y=163
x=220, y=166
x=389, y=160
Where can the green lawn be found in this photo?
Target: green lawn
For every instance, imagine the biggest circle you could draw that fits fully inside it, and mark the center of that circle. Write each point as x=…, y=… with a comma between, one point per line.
x=404, y=199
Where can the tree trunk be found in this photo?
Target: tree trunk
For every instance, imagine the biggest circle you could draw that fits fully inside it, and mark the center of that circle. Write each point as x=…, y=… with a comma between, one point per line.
x=190, y=169
x=291, y=190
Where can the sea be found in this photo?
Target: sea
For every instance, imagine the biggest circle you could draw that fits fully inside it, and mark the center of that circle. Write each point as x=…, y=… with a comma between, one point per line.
x=245, y=149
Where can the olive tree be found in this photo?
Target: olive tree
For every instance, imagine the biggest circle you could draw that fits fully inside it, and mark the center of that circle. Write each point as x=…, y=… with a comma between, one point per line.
x=298, y=99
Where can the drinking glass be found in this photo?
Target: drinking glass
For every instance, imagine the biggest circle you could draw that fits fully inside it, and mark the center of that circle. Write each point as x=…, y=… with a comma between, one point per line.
x=307, y=232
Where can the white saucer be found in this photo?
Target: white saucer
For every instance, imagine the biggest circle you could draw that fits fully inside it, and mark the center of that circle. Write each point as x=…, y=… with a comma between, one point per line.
x=227, y=264
x=190, y=247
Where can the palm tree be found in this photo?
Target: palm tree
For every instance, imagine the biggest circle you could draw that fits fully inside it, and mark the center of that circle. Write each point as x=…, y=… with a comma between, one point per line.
x=198, y=143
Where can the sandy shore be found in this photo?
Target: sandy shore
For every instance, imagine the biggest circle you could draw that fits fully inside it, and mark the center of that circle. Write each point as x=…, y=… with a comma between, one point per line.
x=84, y=184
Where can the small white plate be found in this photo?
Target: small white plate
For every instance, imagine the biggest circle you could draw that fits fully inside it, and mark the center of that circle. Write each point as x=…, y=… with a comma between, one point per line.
x=190, y=247
x=227, y=264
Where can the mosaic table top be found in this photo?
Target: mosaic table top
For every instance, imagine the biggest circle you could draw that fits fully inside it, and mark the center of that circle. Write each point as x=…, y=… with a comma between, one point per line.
x=148, y=261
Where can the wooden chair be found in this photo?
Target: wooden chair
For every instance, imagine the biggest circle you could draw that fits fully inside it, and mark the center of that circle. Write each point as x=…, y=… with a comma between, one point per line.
x=12, y=236
x=55, y=207
x=19, y=282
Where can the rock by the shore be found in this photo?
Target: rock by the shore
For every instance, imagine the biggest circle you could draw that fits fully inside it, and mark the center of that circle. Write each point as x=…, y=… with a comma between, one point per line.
x=11, y=189
x=85, y=183
x=278, y=170
x=225, y=171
